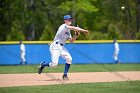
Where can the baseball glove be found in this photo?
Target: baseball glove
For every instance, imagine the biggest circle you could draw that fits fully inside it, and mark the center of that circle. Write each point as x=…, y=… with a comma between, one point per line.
x=77, y=33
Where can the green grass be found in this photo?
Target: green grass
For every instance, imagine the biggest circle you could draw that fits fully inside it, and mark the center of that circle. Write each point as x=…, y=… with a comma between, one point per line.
x=114, y=87
x=74, y=68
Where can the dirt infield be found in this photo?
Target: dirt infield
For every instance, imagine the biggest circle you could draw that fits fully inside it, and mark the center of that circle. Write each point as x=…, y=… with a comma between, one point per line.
x=10, y=80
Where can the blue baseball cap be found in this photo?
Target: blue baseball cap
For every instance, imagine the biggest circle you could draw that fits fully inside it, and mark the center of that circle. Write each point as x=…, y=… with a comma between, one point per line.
x=67, y=17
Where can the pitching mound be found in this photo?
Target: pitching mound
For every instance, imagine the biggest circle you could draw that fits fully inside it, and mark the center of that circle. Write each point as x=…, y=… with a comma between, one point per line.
x=10, y=80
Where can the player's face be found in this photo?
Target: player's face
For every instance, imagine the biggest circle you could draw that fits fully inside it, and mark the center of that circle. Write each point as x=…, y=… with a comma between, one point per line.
x=68, y=21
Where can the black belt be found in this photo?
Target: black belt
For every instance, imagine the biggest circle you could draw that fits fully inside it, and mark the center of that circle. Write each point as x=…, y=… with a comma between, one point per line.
x=60, y=43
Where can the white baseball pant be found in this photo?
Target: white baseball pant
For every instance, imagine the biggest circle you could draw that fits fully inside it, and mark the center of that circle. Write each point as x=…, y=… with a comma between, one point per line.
x=56, y=51
x=23, y=57
x=116, y=55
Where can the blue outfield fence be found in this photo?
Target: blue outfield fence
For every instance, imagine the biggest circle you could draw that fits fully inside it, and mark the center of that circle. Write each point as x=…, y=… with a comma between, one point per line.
x=82, y=52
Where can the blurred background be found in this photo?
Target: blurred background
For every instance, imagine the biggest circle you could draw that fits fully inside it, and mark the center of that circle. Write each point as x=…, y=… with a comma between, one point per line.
x=40, y=19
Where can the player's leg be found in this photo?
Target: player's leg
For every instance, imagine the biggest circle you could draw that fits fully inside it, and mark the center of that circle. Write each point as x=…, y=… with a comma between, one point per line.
x=55, y=53
x=116, y=57
x=66, y=55
x=23, y=60
x=55, y=57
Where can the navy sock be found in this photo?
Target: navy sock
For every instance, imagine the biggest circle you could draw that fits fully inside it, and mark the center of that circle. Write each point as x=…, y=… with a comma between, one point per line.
x=45, y=64
x=116, y=61
x=67, y=66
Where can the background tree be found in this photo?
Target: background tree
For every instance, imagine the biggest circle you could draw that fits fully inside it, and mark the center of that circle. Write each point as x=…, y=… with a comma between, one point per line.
x=40, y=19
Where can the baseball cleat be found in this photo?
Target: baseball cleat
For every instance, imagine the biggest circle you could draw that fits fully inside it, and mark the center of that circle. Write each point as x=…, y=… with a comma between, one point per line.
x=40, y=68
x=65, y=77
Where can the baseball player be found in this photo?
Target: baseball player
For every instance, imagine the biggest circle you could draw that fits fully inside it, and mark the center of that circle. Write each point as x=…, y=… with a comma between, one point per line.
x=22, y=53
x=57, y=48
x=116, y=51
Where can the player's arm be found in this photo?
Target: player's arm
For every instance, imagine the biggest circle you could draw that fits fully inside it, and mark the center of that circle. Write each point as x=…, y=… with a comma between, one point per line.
x=77, y=29
x=74, y=37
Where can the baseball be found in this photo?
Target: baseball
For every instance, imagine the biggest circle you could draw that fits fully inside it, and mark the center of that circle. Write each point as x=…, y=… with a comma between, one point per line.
x=122, y=7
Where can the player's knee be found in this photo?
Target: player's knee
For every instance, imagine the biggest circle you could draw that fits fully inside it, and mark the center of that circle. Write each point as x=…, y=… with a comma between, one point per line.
x=69, y=60
x=53, y=64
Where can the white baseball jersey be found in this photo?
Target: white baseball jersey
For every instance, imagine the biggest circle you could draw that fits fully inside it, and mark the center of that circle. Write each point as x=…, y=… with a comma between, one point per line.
x=62, y=34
